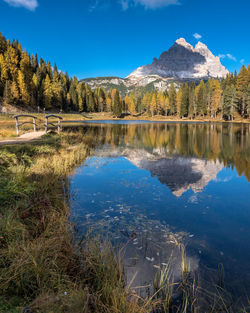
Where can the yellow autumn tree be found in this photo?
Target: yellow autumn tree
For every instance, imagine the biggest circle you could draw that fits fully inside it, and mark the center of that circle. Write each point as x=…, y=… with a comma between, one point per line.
x=24, y=94
x=161, y=102
x=127, y=102
x=3, y=69
x=146, y=101
x=15, y=95
x=216, y=98
x=153, y=105
x=48, y=93
x=11, y=59
x=167, y=106
x=178, y=102
x=131, y=107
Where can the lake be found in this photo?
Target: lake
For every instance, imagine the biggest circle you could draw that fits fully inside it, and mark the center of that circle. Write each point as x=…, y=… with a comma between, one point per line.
x=151, y=187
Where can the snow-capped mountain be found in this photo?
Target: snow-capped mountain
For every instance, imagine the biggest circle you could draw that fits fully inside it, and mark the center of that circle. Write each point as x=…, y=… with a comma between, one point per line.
x=182, y=62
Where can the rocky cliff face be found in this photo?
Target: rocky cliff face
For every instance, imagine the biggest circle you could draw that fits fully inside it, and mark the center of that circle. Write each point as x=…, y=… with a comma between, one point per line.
x=182, y=61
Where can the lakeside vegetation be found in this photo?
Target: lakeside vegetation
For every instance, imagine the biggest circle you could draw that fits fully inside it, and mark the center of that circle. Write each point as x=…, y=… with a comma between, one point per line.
x=37, y=86
x=43, y=269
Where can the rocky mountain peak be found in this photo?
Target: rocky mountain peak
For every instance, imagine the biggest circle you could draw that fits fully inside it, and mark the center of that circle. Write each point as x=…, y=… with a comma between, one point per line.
x=200, y=45
x=181, y=62
x=182, y=42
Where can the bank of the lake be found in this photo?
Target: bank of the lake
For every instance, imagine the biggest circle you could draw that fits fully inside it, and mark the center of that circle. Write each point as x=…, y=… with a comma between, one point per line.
x=8, y=126
x=42, y=268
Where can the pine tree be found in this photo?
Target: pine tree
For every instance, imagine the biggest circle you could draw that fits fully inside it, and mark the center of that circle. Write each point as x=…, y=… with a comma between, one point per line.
x=24, y=93
x=3, y=44
x=229, y=102
x=146, y=101
x=241, y=87
x=153, y=105
x=49, y=70
x=117, y=106
x=209, y=95
x=57, y=89
x=184, y=100
x=35, y=89
x=15, y=96
x=11, y=59
x=26, y=68
x=178, y=102
x=161, y=103
x=34, y=62
x=90, y=102
x=172, y=99
x=201, y=99
x=126, y=103
x=73, y=94
x=167, y=106
x=48, y=93
x=3, y=69
x=191, y=105
x=216, y=98
x=131, y=104
x=7, y=92
x=102, y=99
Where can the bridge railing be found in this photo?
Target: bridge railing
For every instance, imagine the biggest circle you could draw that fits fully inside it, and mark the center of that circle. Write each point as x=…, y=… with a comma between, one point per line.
x=18, y=124
x=47, y=123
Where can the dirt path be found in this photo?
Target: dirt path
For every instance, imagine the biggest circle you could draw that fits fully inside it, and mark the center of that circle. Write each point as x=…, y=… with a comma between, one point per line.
x=23, y=138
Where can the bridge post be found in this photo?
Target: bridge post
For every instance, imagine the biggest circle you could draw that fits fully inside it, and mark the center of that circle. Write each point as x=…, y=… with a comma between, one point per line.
x=46, y=124
x=17, y=126
x=34, y=124
x=59, y=126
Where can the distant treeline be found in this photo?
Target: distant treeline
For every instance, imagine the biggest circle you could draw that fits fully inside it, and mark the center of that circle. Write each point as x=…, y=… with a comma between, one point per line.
x=30, y=83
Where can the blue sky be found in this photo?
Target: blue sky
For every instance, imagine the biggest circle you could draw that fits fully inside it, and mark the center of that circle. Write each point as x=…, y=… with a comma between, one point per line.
x=90, y=38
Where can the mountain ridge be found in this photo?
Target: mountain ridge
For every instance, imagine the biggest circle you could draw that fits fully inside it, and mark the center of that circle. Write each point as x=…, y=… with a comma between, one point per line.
x=181, y=63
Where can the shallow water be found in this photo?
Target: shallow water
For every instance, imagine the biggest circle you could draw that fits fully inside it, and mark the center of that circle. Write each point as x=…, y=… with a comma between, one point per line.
x=150, y=186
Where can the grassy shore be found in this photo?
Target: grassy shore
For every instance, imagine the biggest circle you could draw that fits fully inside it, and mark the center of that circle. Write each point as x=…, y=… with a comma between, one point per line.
x=41, y=266
x=43, y=269
x=146, y=117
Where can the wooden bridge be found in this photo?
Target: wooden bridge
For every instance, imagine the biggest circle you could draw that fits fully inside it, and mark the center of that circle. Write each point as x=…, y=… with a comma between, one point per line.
x=29, y=122
x=35, y=134
x=47, y=123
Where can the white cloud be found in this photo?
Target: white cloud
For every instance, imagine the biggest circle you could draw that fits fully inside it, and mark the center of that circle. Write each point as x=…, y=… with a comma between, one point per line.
x=231, y=57
x=197, y=36
x=154, y=4
x=221, y=56
x=228, y=56
x=147, y=4
x=28, y=4
x=242, y=61
x=124, y=4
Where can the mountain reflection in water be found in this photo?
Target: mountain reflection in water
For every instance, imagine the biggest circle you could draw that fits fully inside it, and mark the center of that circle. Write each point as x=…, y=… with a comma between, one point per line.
x=156, y=185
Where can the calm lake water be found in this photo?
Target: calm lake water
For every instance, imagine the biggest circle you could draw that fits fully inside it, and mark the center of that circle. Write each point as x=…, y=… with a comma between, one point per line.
x=151, y=186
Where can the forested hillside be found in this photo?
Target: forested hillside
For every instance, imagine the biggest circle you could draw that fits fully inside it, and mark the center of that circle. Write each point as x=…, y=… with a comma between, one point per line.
x=31, y=83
